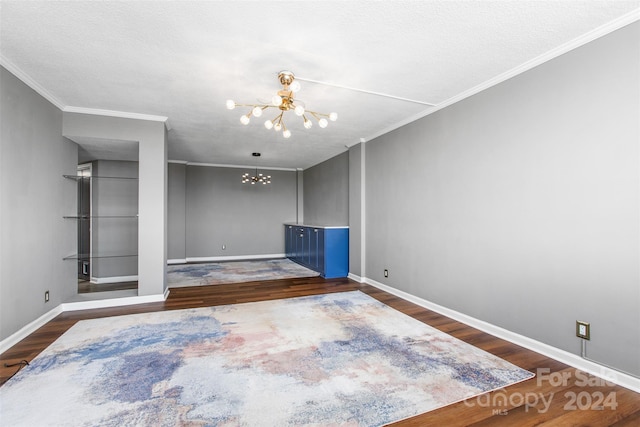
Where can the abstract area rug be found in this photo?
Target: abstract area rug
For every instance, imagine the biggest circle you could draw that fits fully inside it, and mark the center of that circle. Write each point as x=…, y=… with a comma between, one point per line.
x=217, y=273
x=340, y=359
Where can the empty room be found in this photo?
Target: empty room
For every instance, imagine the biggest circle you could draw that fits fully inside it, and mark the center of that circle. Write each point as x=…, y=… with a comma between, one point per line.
x=320, y=213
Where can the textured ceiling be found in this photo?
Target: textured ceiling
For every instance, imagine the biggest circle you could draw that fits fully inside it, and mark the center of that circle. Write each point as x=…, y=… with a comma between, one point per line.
x=183, y=60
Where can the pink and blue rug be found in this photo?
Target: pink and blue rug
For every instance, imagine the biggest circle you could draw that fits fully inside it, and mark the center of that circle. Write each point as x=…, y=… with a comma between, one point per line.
x=216, y=273
x=342, y=359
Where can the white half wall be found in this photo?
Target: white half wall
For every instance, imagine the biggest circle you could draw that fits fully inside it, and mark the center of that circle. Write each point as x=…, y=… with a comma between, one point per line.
x=152, y=191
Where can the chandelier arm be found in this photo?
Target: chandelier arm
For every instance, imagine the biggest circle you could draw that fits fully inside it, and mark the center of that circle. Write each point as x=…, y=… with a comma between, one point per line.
x=252, y=105
x=316, y=114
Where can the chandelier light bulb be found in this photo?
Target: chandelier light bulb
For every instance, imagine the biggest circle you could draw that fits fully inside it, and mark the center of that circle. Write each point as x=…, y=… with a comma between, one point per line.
x=257, y=111
x=277, y=127
x=333, y=117
x=276, y=100
x=245, y=119
x=307, y=123
x=230, y=104
x=268, y=124
x=295, y=87
x=299, y=110
x=286, y=133
x=323, y=123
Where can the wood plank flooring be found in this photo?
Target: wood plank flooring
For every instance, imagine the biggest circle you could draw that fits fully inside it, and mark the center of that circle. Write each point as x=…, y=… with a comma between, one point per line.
x=574, y=402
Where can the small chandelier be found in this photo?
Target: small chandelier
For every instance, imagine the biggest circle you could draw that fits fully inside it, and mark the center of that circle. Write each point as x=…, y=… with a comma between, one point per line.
x=284, y=101
x=258, y=177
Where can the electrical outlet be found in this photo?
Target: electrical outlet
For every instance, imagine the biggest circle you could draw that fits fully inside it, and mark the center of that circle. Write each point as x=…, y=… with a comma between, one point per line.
x=46, y=296
x=583, y=330
x=386, y=273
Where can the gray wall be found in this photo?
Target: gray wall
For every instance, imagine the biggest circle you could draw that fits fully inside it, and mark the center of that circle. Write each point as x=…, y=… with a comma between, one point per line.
x=176, y=211
x=220, y=210
x=520, y=205
x=355, y=209
x=33, y=199
x=326, y=192
x=114, y=231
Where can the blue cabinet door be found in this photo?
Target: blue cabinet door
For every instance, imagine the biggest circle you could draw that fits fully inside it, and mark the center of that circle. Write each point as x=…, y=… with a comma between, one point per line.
x=316, y=248
x=289, y=244
x=336, y=253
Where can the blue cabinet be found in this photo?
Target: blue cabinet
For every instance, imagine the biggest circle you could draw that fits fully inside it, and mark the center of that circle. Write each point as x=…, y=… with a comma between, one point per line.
x=322, y=249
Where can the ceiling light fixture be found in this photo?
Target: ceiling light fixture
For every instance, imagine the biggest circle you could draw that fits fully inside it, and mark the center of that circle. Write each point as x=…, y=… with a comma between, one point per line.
x=258, y=177
x=284, y=101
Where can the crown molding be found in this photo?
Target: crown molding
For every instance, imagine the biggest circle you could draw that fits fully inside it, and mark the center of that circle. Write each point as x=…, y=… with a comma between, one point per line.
x=592, y=35
x=216, y=165
x=26, y=79
x=112, y=113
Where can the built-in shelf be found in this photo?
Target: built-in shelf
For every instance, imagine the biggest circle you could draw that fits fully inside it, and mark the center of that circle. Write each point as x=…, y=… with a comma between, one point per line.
x=79, y=178
x=86, y=257
x=99, y=216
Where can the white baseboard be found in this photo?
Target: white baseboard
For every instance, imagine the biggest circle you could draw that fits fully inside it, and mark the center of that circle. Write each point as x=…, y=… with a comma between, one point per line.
x=28, y=329
x=355, y=277
x=233, y=258
x=112, y=302
x=176, y=261
x=113, y=279
x=604, y=372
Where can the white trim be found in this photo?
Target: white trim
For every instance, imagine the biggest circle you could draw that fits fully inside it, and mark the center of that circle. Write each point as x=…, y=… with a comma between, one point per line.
x=26, y=79
x=596, y=33
x=113, y=279
x=316, y=226
x=354, y=277
x=216, y=165
x=28, y=329
x=576, y=361
x=180, y=162
x=363, y=209
x=112, y=302
x=113, y=113
x=233, y=258
x=176, y=261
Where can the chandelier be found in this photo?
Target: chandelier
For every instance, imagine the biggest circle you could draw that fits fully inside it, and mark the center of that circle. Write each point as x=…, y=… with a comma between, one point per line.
x=258, y=177
x=284, y=101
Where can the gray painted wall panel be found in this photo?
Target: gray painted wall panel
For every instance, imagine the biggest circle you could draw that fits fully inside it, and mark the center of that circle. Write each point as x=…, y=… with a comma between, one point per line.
x=326, y=192
x=113, y=197
x=33, y=199
x=520, y=205
x=355, y=210
x=176, y=211
x=247, y=219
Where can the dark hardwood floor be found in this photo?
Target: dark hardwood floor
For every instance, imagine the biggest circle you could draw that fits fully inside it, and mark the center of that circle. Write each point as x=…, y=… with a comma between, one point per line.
x=85, y=286
x=576, y=401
